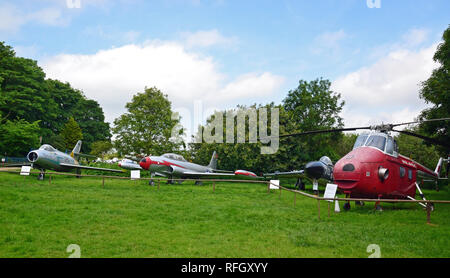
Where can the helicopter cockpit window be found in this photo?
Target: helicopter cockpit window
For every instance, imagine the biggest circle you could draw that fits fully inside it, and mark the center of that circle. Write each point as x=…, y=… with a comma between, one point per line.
x=326, y=160
x=376, y=141
x=47, y=148
x=390, y=146
x=360, y=141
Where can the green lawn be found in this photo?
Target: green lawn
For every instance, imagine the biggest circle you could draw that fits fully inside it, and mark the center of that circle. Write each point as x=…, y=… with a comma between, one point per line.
x=131, y=219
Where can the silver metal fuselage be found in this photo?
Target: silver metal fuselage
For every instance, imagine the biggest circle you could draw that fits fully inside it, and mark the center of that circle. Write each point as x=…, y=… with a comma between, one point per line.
x=170, y=167
x=44, y=159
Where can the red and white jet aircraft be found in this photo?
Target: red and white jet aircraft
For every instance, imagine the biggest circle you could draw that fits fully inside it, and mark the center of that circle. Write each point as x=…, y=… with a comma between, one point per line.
x=172, y=165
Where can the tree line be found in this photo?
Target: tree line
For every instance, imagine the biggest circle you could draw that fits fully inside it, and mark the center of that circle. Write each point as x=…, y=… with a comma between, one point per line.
x=34, y=109
x=32, y=106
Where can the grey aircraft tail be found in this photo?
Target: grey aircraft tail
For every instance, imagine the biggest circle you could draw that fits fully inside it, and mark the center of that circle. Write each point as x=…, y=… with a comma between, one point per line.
x=213, y=163
x=77, y=149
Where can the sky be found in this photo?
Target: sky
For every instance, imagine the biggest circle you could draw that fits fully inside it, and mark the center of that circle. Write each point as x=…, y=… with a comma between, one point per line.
x=216, y=54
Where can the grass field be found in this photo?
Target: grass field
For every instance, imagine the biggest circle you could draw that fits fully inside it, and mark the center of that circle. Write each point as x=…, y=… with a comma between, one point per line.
x=131, y=219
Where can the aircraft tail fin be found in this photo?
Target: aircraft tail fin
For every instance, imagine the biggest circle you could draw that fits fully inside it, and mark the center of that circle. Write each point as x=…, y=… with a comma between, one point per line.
x=439, y=166
x=213, y=163
x=77, y=149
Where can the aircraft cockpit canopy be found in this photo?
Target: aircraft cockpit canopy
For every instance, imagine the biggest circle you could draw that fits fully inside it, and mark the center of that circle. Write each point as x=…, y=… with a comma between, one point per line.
x=381, y=141
x=174, y=156
x=48, y=148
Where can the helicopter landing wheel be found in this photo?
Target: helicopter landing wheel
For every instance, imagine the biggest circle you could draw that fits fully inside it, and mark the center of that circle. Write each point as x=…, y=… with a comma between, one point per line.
x=347, y=206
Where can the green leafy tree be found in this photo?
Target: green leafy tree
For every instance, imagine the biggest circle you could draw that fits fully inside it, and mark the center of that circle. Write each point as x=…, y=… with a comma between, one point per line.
x=436, y=90
x=147, y=126
x=89, y=115
x=245, y=155
x=57, y=141
x=23, y=91
x=100, y=148
x=18, y=137
x=26, y=94
x=71, y=133
x=312, y=106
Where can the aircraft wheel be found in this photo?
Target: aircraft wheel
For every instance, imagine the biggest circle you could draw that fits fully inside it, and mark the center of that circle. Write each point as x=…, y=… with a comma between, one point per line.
x=41, y=176
x=431, y=206
x=359, y=203
x=347, y=206
x=152, y=183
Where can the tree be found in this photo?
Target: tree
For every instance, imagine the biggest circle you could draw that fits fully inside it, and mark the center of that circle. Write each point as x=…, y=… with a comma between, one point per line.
x=147, y=126
x=26, y=94
x=18, y=137
x=414, y=148
x=244, y=155
x=312, y=106
x=100, y=148
x=91, y=119
x=71, y=133
x=436, y=90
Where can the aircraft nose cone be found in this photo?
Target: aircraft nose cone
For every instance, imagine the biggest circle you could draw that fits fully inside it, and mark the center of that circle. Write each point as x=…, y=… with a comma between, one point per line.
x=145, y=163
x=315, y=169
x=32, y=156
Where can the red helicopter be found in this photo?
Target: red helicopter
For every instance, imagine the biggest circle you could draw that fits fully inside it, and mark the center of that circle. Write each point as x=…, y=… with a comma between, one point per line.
x=374, y=169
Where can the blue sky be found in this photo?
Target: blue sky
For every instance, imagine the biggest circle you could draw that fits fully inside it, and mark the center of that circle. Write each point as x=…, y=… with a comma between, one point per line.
x=225, y=53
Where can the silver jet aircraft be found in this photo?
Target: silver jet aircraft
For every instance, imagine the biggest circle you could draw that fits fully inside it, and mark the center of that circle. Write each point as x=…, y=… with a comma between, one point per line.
x=172, y=165
x=129, y=164
x=47, y=157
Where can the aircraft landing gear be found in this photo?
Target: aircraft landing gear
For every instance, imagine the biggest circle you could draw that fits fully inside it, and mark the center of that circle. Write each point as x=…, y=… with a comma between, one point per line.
x=198, y=183
x=41, y=175
x=299, y=184
x=169, y=181
x=359, y=203
x=151, y=182
x=316, y=187
x=347, y=206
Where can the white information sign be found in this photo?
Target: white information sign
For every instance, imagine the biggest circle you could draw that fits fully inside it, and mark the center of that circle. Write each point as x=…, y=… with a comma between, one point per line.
x=274, y=184
x=135, y=174
x=330, y=191
x=25, y=171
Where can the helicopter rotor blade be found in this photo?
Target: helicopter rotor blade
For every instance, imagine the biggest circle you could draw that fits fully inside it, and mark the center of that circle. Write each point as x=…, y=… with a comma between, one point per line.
x=323, y=131
x=422, y=121
x=428, y=139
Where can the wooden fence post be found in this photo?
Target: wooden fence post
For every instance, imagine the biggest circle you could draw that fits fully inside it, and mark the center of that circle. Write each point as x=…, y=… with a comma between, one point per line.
x=318, y=208
x=214, y=186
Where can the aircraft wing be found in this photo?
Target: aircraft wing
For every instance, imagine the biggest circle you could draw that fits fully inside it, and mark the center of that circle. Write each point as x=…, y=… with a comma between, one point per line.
x=229, y=176
x=84, y=155
x=291, y=174
x=15, y=164
x=90, y=168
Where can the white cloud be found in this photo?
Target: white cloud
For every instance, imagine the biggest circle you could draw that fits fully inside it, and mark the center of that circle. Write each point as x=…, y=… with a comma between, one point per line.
x=13, y=17
x=328, y=41
x=114, y=75
x=207, y=38
x=415, y=37
x=388, y=90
